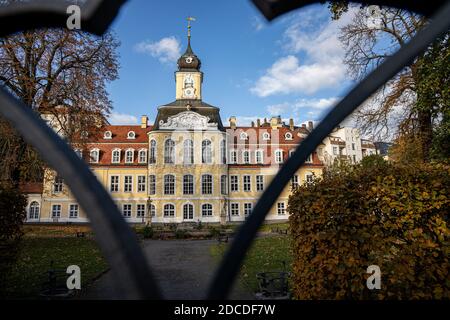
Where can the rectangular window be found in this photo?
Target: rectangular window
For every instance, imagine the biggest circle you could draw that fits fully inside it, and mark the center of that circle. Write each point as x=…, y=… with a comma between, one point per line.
x=353, y=146
x=143, y=156
x=309, y=159
x=140, y=210
x=114, y=185
x=281, y=209
x=335, y=151
x=56, y=211
x=141, y=184
x=248, y=208
x=223, y=185
x=128, y=184
x=169, y=184
x=126, y=210
x=207, y=184
x=247, y=183
x=259, y=183
x=234, y=207
x=246, y=157
x=188, y=184
x=58, y=185
x=152, y=210
x=73, y=211
x=152, y=184
x=278, y=156
x=294, y=182
x=309, y=178
x=234, y=184
x=233, y=156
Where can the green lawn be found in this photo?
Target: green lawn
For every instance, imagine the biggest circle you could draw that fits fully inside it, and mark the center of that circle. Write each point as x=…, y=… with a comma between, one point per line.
x=29, y=272
x=265, y=255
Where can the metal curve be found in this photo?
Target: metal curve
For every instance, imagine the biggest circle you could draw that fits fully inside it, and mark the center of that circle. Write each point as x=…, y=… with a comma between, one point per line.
x=117, y=242
x=229, y=267
x=272, y=9
x=96, y=15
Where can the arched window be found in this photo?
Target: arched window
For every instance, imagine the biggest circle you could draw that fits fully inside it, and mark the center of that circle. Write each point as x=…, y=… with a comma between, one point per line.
x=169, y=184
x=246, y=156
x=107, y=135
x=131, y=135
x=206, y=151
x=188, y=211
x=152, y=155
x=115, y=156
x=223, y=151
x=279, y=156
x=129, y=156
x=143, y=156
x=288, y=136
x=244, y=136
x=169, y=210
x=169, y=151
x=207, y=210
x=94, y=155
x=259, y=156
x=266, y=136
x=34, y=211
x=188, y=154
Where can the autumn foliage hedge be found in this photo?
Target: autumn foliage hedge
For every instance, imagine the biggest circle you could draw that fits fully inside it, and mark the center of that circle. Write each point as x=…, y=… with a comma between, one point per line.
x=375, y=213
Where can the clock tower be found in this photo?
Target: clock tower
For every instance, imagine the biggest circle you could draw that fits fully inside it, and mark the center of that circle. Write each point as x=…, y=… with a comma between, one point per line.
x=189, y=78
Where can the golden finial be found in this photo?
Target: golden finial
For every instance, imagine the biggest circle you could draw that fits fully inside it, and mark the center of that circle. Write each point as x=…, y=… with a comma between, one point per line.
x=189, y=19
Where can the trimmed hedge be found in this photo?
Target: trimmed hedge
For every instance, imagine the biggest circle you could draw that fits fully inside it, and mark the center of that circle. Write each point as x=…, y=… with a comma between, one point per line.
x=12, y=214
x=375, y=213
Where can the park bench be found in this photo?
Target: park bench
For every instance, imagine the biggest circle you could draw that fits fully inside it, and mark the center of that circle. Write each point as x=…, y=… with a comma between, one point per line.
x=55, y=287
x=81, y=234
x=222, y=238
x=273, y=285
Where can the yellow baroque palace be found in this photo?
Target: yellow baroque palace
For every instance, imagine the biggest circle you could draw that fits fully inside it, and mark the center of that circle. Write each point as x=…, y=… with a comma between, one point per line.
x=186, y=167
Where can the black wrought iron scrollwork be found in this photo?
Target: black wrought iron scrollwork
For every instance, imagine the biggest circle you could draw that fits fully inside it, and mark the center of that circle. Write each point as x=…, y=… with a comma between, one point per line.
x=116, y=240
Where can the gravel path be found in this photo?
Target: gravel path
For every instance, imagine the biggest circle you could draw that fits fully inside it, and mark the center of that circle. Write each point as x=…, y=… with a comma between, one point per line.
x=183, y=269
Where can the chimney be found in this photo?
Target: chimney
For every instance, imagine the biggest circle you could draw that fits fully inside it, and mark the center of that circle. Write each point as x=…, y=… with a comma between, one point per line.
x=265, y=120
x=291, y=124
x=274, y=122
x=310, y=126
x=258, y=123
x=232, y=122
x=303, y=125
x=144, y=122
x=253, y=124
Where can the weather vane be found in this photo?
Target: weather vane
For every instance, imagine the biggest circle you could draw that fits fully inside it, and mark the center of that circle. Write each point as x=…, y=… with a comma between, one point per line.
x=189, y=19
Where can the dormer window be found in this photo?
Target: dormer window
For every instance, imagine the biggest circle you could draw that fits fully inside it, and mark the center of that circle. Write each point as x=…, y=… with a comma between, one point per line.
x=107, y=135
x=94, y=155
x=131, y=135
x=129, y=156
x=244, y=136
x=115, y=156
x=266, y=136
x=288, y=136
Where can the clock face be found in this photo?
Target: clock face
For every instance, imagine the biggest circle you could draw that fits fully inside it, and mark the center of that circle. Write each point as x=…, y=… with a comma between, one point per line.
x=189, y=92
x=189, y=60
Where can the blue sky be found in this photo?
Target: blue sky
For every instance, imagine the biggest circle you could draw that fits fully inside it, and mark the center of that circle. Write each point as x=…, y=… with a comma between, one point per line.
x=291, y=67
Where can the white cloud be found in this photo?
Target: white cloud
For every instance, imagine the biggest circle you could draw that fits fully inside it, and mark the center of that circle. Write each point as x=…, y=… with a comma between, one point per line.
x=257, y=24
x=121, y=118
x=322, y=66
x=166, y=50
x=317, y=105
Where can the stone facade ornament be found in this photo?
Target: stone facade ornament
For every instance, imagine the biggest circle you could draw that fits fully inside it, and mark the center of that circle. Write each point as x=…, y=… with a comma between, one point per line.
x=188, y=120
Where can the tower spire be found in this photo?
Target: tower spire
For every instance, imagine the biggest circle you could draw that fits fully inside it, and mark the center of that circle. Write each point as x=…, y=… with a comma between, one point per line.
x=189, y=19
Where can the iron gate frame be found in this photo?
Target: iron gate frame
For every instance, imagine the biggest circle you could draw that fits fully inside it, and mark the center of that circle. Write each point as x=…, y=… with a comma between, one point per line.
x=119, y=245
